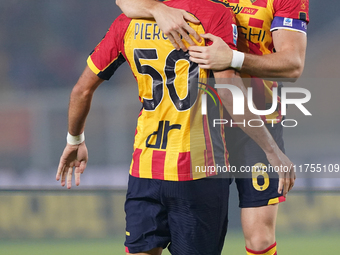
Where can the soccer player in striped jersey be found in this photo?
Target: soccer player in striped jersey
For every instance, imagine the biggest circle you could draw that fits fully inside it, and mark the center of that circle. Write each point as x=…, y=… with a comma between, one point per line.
x=265, y=27
x=168, y=204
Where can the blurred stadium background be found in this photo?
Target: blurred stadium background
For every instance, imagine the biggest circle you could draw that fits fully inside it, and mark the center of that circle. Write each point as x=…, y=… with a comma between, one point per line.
x=44, y=45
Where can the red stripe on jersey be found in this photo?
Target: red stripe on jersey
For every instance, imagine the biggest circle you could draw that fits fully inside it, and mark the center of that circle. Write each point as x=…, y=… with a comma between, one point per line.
x=255, y=23
x=127, y=249
x=135, y=166
x=209, y=157
x=260, y=3
x=157, y=167
x=140, y=113
x=271, y=47
x=234, y=1
x=184, y=166
x=255, y=48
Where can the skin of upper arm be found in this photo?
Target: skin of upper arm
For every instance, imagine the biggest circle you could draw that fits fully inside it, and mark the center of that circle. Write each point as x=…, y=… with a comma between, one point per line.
x=292, y=43
x=88, y=82
x=229, y=73
x=136, y=8
x=227, y=76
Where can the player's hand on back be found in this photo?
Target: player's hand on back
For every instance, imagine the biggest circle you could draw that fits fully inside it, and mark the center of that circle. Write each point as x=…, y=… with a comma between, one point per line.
x=173, y=23
x=285, y=169
x=217, y=56
x=74, y=156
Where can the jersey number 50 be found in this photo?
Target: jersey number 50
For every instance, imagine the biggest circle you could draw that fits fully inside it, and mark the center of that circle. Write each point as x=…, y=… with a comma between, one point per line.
x=170, y=74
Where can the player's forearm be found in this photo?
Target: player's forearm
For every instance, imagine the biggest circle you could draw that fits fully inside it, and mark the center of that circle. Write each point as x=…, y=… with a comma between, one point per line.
x=79, y=107
x=288, y=60
x=138, y=8
x=260, y=135
x=80, y=101
x=275, y=65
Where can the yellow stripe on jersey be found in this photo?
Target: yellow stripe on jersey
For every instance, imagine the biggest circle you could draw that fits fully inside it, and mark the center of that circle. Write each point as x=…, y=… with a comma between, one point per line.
x=146, y=164
x=92, y=66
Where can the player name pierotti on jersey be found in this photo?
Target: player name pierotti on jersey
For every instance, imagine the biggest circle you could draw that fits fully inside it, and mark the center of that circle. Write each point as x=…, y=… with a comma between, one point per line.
x=151, y=31
x=148, y=31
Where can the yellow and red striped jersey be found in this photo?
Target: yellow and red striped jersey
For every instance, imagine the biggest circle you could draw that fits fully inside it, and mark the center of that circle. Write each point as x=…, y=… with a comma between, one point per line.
x=256, y=19
x=171, y=99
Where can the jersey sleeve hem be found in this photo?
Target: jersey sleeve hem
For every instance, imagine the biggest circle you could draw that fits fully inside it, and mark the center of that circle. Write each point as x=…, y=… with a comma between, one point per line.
x=289, y=24
x=290, y=29
x=92, y=66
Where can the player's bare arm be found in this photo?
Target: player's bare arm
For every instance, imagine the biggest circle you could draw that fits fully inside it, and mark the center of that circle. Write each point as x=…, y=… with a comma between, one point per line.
x=172, y=21
x=260, y=135
x=75, y=156
x=287, y=62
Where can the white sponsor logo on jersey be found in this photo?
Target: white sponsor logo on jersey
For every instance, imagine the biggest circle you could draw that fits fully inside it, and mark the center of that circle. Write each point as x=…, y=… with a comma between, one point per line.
x=288, y=22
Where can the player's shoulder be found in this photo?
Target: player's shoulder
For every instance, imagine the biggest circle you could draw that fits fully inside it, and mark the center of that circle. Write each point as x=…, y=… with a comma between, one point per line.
x=209, y=12
x=121, y=20
x=118, y=26
x=219, y=9
x=220, y=3
x=291, y=4
x=219, y=6
x=215, y=9
x=295, y=9
x=294, y=2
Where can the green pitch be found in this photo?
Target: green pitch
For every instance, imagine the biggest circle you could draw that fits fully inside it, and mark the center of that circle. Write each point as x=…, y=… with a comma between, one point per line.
x=301, y=244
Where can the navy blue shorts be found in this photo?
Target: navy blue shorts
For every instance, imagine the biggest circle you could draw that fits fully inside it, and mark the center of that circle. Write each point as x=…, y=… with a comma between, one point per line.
x=188, y=217
x=254, y=190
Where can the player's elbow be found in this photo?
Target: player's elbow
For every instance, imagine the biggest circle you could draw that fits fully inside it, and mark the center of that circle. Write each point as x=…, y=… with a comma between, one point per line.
x=125, y=8
x=297, y=71
x=119, y=2
x=79, y=91
x=226, y=96
x=297, y=67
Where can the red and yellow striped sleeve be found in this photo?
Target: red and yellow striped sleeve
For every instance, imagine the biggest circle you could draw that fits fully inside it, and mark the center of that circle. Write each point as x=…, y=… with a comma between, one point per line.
x=109, y=54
